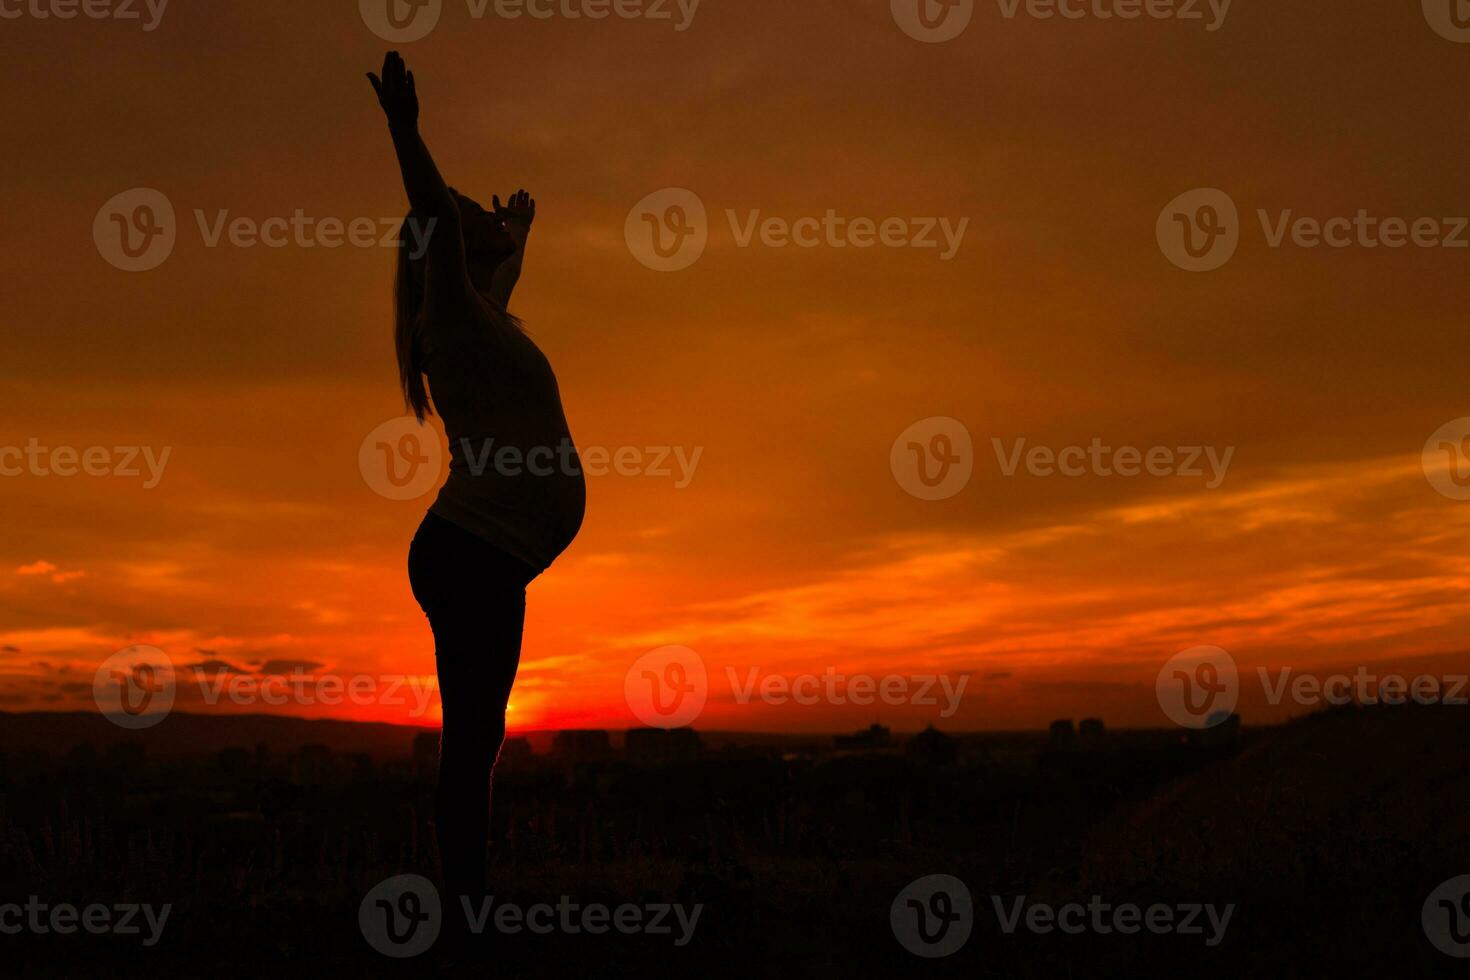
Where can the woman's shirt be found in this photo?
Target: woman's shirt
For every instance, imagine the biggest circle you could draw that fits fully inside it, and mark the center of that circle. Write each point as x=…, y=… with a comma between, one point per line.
x=515, y=479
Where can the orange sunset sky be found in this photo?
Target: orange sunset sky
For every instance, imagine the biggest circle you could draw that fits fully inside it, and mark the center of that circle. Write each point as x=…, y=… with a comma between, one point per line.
x=793, y=549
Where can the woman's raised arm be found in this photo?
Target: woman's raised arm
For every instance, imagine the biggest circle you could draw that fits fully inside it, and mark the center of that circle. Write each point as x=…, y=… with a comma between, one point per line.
x=428, y=196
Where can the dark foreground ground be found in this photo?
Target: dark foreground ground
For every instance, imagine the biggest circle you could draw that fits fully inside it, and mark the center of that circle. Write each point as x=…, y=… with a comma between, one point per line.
x=1327, y=836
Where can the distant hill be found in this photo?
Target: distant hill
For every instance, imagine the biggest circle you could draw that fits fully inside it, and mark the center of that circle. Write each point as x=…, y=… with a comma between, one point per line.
x=183, y=734
x=1337, y=825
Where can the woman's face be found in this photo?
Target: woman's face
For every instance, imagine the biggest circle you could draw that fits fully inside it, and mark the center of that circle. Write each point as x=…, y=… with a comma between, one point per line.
x=486, y=242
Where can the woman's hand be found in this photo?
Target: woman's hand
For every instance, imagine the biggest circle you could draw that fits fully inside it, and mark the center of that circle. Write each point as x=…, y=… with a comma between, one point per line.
x=517, y=216
x=396, y=92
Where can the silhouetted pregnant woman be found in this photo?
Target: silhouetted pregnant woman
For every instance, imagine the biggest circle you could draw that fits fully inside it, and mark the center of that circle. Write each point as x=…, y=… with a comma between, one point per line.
x=515, y=495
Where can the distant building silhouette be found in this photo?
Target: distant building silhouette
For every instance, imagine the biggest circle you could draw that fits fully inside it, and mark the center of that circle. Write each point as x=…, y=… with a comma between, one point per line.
x=234, y=760
x=1222, y=733
x=933, y=746
x=1061, y=736
x=588, y=745
x=661, y=746
x=516, y=752
x=425, y=755
x=1091, y=734
x=875, y=736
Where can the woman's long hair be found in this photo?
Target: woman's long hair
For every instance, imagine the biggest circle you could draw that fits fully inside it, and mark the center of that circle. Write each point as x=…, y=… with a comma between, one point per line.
x=408, y=316
x=408, y=312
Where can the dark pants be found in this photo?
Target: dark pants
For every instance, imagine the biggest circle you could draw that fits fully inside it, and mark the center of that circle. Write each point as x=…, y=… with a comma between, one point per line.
x=475, y=598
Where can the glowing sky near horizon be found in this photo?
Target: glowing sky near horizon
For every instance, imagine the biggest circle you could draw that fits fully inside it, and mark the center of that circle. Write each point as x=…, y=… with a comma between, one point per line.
x=792, y=551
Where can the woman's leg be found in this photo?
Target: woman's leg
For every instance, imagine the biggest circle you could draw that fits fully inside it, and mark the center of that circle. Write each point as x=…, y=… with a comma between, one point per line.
x=477, y=654
x=475, y=599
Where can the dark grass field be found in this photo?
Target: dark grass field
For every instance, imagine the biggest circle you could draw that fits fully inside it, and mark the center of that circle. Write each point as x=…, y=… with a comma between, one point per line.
x=1326, y=835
